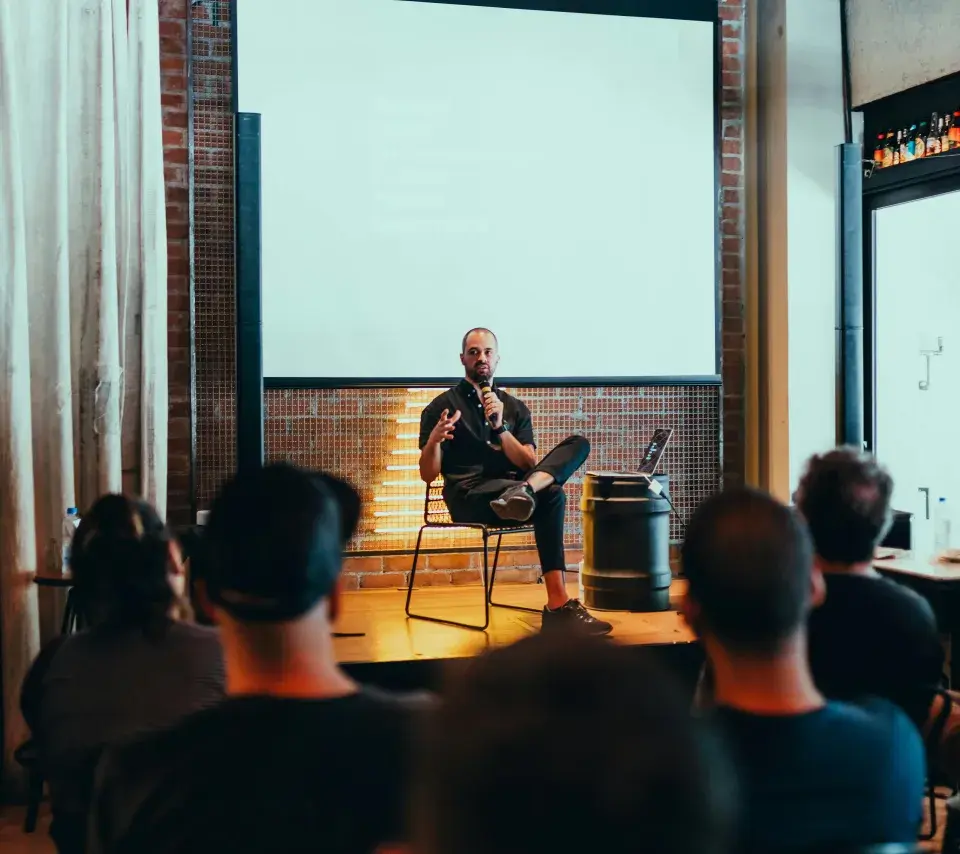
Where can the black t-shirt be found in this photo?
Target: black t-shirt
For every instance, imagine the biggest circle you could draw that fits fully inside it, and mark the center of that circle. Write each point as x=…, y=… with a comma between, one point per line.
x=262, y=774
x=841, y=776
x=874, y=637
x=97, y=688
x=468, y=457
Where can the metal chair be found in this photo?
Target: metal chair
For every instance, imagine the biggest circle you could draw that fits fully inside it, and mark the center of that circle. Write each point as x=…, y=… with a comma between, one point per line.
x=436, y=515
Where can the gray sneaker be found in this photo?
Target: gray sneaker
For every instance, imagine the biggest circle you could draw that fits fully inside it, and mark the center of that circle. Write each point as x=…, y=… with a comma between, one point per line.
x=515, y=504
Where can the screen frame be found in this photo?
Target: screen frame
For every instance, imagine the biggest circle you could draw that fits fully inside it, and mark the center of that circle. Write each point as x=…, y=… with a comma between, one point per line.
x=248, y=267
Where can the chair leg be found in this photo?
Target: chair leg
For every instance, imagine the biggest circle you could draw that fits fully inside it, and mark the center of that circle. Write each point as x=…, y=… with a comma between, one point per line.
x=413, y=572
x=493, y=578
x=67, y=620
x=457, y=623
x=34, y=797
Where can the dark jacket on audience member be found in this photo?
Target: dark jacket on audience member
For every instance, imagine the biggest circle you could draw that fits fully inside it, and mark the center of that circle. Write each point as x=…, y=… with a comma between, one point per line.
x=839, y=777
x=262, y=774
x=93, y=689
x=874, y=637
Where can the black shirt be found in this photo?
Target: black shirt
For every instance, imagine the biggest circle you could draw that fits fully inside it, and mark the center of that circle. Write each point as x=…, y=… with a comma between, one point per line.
x=262, y=774
x=97, y=688
x=872, y=636
x=469, y=457
x=841, y=776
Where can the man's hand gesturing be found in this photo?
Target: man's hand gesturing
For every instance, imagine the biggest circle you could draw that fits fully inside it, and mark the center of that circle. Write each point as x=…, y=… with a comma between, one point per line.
x=444, y=428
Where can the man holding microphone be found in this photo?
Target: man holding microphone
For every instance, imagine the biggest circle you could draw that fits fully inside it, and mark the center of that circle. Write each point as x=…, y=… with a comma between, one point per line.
x=481, y=440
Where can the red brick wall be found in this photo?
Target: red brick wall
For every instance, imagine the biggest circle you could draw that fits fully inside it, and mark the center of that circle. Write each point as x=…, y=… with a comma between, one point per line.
x=733, y=224
x=214, y=332
x=173, y=83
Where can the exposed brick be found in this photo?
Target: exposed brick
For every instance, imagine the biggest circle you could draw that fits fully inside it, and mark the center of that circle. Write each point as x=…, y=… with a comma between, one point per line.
x=362, y=564
x=452, y=560
x=380, y=580
x=517, y=576
x=465, y=576
x=433, y=578
x=731, y=47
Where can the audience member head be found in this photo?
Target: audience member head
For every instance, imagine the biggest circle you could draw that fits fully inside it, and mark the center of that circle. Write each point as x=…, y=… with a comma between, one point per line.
x=126, y=565
x=748, y=560
x=480, y=354
x=495, y=765
x=275, y=540
x=844, y=495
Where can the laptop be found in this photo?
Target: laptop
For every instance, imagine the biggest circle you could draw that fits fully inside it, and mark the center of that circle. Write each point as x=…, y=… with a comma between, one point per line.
x=651, y=457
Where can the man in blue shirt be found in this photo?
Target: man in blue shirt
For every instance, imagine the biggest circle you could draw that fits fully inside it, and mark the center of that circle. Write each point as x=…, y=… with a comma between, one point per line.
x=814, y=774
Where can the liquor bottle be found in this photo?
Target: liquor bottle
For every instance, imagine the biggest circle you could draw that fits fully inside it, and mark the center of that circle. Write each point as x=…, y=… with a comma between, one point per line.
x=956, y=130
x=912, y=143
x=898, y=149
x=878, y=152
x=921, y=142
x=946, y=125
x=933, y=137
x=888, y=150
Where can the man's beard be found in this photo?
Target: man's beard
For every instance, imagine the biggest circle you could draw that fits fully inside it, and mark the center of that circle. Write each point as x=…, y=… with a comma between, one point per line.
x=478, y=377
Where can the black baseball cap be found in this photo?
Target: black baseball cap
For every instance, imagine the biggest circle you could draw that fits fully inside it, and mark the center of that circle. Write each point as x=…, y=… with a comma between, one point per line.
x=276, y=536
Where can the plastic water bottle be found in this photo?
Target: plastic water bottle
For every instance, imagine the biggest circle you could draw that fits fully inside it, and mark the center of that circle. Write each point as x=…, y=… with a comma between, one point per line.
x=67, y=530
x=941, y=526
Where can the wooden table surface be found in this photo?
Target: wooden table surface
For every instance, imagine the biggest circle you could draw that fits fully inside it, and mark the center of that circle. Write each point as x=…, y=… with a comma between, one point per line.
x=924, y=566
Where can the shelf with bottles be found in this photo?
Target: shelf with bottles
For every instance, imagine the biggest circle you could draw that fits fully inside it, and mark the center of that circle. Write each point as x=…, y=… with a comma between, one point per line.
x=919, y=140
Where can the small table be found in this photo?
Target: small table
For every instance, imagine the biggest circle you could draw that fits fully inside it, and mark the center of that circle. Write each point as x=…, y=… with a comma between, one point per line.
x=939, y=583
x=72, y=616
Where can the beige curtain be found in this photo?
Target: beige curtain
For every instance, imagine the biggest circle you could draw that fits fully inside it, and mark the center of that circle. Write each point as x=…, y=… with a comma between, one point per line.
x=83, y=376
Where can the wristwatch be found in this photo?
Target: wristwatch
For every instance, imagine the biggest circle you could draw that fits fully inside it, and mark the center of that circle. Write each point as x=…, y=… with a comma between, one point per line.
x=499, y=431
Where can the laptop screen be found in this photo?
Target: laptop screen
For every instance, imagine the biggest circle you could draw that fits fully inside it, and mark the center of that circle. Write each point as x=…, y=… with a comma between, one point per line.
x=651, y=459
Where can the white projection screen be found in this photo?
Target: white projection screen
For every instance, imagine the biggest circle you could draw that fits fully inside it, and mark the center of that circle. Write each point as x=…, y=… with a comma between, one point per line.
x=428, y=167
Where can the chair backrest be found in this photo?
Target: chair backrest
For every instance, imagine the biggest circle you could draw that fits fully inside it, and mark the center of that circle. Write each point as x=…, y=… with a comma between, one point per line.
x=435, y=510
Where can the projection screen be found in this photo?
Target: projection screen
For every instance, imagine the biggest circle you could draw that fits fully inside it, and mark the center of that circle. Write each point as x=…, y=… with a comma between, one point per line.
x=428, y=167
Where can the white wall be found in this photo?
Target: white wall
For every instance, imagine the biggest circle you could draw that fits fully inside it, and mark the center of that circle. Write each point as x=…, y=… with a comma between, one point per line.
x=814, y=130
x=897, y=44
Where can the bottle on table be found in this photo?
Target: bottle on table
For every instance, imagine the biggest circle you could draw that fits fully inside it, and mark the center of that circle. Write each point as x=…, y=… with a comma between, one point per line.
x=946, y=125
x=933, y=137
x=888, y=150
x=941, y=526
x=898, y=149
x=912, y=143
x=67, y=529
x=921, y=141
x=878, y=152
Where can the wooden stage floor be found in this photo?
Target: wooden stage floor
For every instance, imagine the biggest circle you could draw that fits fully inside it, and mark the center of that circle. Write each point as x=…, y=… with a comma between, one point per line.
x=386, y=635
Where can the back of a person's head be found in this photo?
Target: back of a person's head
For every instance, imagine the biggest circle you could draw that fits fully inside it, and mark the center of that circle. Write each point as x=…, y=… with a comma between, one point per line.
x=120, y=562
x=748, y=562
x=275, y=539
x=569, y=744
x=845, y=497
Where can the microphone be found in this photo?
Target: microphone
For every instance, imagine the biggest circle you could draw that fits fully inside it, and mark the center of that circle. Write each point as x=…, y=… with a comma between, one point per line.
x=485, y=389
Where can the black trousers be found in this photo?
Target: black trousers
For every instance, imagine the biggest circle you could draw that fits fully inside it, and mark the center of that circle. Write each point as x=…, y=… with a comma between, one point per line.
x=473, y=504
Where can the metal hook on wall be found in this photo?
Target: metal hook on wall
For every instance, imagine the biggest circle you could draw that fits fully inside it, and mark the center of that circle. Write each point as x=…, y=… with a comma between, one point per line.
x=925, y=383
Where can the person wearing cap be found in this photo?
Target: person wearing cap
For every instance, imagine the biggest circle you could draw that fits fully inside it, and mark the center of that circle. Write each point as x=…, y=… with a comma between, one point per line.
x=298, y=757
